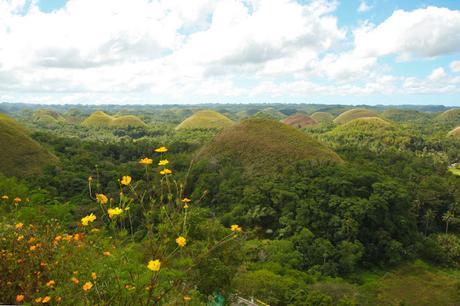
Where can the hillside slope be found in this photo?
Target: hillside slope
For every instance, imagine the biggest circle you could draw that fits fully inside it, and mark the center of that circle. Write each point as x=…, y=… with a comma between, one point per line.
x=205, y=119
x=354, y=114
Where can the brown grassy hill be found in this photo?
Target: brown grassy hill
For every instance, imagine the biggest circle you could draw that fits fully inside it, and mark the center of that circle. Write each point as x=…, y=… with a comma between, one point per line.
x=449, y=117
x=354, y=114
x=322, y=117
x=100, y=119
x=262, y=144
x=300, y=121
x=20, y=155
x=455, y=132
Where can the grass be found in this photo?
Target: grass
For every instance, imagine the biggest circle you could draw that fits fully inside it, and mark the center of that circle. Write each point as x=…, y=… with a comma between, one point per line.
x=415, y=283
x=455, y=171
x=20, y=155
x=322, y=117
x=262, y=144
x=455, y=132
x=404, y=115
x=451, y=116
x=205, y=119
x=300, y=121
x=270, y=113
x=354, y=114
x=48, y=117
x=100, y=119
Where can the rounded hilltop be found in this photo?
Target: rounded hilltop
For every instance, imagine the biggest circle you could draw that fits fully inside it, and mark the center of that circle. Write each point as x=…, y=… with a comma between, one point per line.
x=451, y=117
x=21, y=155
x=355, y=113
x=205, y=119
x=322, y=117
x=48, y=117
x=455, y=132
x=270, y=113
x=262, y=144
x=404, y=115
x=300, y=121
x=100, y=119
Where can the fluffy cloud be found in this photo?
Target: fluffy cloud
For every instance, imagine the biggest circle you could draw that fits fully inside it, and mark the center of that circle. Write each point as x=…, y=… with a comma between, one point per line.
x=426, y=32
x=132, y=51
x=364, y=7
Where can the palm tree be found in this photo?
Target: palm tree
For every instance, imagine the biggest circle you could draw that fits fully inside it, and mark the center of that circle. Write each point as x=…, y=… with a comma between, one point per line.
x=447, y=217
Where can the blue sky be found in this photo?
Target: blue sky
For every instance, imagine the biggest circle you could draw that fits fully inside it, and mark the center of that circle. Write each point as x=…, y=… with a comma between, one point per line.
x=243, y=51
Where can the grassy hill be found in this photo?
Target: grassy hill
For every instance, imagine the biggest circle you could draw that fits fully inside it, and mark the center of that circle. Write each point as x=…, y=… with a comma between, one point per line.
x=354, y=114
x=455, y=132
x=261, y=144
x=270, y=113
x=299, y=121
x=449, y=117
x=404, y=115
x=20, y=155
x=127, y=121
x=322, y=117
x=371, y=132
x=205, y=119
x=48, y=117
x=100, y=119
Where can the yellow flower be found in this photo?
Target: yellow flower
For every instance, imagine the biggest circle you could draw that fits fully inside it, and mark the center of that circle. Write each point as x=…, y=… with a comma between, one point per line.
x=74, y=280
x=236, y=228
x=5, y=197
x=46, y=299
x=106, y=253
x=165, y=171
x=125, y=180
x=154, y=265
x=163, y=162
x=186, y=206
x=161, y=150
x=88, y=219
x=90, y=179
x=58, y=299
x=146, y=161
x=17, y=200
x=87, y=286
x=19, y=225
x=38, y=300
x=186, y=200
x=101, y=198
x=21, y=237
x=114, y=212
x=187, y=298
x=93, y=275
x=181, y=241
x=51, y=283
x=33, y=248
x=19, y=298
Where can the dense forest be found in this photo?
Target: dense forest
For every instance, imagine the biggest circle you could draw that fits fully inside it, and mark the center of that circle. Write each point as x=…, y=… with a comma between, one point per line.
x=214, y=204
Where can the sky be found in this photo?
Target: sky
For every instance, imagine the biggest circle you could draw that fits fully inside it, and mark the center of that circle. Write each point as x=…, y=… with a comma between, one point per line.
x=230, y=51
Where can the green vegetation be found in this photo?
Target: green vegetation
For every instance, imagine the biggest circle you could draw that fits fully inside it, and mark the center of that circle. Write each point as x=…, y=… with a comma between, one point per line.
x=100, y=119
x=263, y=144
x=48, y=117
x=449, y=117
x=361, y=213
x=21, y=155
x=300, y=121
x=270, y=113
x=353, y=114
x=322, y=117
x=205, y=119
x=455, y=132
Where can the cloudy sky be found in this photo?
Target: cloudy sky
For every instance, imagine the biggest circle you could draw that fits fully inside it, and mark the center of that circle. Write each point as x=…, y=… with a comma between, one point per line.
x=196, y=51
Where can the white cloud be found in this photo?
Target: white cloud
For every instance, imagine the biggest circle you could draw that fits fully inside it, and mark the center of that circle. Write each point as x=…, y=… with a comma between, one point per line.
x=455, y=66
x=437, y=74
x=425, y=32
x=364, y=7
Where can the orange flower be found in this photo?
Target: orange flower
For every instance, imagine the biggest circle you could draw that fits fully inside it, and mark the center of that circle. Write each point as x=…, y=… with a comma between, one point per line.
x=19, y=225
x=33, y=248
x=51, y=283
x=101, y=198
x=38, y=300
x=19, y=298
x=106, y=253
x=74, y=280
x=46, y=299
x=17, y=200
x=78, y=236
x=21, y=237
x=94, y=275
x=87, y=286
